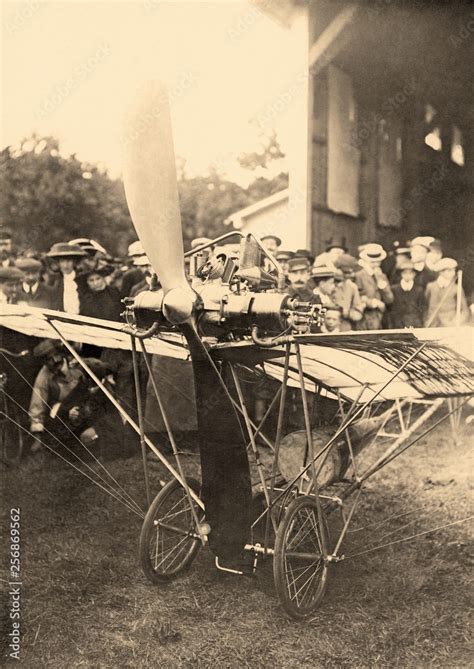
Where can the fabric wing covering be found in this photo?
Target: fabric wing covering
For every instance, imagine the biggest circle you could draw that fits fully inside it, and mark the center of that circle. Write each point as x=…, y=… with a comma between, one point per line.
x=358, y=364
x=84, y=330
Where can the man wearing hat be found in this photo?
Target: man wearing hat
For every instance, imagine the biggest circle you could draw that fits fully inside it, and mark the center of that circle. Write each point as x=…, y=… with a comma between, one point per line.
x=299, y=273
x=442, y=297
x=6, y=250
x=66, y=288
x=284, y=257
x=135, y=274
x=10, y=285
x=33, y=290
x=346, y=294
x=51, y=415
x=409, y=304
x=271, y=242
x=419, y=249
x=434, y=254
x=323, y=279
x=373, y=285
x=333, y=250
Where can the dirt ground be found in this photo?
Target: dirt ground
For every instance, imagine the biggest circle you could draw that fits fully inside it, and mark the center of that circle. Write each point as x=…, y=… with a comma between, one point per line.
x=86, y=603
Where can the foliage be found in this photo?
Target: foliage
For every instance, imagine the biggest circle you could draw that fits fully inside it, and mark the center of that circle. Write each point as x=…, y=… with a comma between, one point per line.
x=269, y=150
x=45, y=197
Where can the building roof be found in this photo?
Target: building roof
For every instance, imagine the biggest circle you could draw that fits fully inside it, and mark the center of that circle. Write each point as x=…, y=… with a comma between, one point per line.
x=238, y=217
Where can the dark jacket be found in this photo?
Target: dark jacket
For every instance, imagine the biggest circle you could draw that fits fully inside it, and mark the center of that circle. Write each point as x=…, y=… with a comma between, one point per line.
x=408, y=307
x=424, y=277
x=105, y=304
x=129, y=280
x=44, y=297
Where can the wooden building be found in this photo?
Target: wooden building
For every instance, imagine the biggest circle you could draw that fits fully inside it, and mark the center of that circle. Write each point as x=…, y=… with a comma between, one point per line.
x=384, y=134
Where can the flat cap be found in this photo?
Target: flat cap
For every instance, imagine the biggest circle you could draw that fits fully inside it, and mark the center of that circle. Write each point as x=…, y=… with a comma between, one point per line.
x=270, y=236
x=445, y=263
x=28, y=264
x=10, y=275
x=298, y=263
x=46, y=347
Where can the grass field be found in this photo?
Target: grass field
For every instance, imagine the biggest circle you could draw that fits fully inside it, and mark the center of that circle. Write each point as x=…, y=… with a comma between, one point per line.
x=85, y=602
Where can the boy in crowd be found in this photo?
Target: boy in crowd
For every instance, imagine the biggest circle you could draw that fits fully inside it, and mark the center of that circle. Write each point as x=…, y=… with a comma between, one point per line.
x=409, y=304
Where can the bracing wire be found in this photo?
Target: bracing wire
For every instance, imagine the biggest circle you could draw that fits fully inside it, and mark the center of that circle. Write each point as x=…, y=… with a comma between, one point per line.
x=413, y=536
x=108, y=491
x=131, y=503
x=126, y=494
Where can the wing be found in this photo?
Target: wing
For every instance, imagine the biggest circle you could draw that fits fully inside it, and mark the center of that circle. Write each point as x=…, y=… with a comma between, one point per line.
x=82, y=329
x=360, y=364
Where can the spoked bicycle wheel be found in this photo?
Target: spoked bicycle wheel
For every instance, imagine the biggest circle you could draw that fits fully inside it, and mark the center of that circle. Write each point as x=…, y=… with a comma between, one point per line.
x=168, y=540
x=11, y=442
x=299, y=566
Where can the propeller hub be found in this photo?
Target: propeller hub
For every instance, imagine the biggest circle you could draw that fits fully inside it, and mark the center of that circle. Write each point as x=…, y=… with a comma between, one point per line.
x=178, y=305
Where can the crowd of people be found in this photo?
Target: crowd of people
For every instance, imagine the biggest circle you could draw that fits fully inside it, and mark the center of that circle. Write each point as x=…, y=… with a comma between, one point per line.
x=413, y=286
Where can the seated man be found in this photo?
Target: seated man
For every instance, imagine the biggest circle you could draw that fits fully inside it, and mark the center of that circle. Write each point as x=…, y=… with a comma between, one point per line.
x=64, y=401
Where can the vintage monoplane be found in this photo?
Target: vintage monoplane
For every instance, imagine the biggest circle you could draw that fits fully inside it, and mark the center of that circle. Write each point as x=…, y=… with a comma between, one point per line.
x=378, y=392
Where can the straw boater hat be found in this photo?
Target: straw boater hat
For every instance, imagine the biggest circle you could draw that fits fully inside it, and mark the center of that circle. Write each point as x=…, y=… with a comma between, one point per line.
x=422, y=241
x=140, y=261
x=64, y=250
x=372, y=252
x=135, y=249
x=322, y=272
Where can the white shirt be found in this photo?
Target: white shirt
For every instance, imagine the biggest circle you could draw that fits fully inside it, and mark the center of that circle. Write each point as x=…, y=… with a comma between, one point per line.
x=406, y=285
x=70, y=294
x=30, y=290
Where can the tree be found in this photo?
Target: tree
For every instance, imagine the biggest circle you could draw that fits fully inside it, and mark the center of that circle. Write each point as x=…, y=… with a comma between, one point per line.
x=205, y=202
x=46, y=197
x=268, y=151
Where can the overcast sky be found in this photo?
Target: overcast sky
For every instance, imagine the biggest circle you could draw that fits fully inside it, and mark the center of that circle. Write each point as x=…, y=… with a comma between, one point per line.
x=69, y=68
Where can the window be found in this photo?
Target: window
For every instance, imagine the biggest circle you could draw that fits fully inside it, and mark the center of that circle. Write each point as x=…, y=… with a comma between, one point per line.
x=433, y=137
x=457, y=148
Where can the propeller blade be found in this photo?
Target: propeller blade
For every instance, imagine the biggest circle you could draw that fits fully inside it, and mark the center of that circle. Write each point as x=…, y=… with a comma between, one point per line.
x=151, y=185
x=152, y=196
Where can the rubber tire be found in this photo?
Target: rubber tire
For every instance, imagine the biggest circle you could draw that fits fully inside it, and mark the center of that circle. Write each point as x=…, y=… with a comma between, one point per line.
x=291, y=606
x=149, y=529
